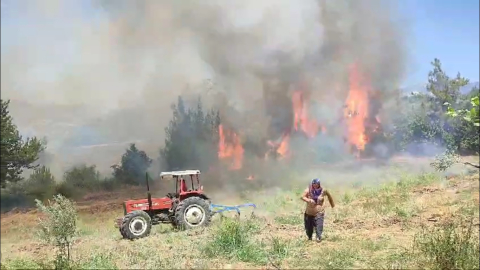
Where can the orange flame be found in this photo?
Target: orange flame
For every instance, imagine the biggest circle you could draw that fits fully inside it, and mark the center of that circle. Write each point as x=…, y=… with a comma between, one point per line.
x=230, y=149
x=356, y=110
x=300, y=113
x=283, y=148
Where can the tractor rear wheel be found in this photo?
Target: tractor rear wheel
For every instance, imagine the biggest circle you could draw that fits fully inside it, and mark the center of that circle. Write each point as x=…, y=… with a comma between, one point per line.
x=191, y=213
x=136, y=224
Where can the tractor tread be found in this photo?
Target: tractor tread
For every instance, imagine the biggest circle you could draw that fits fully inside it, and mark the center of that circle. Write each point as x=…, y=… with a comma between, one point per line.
x=180, y=211
x=124, y=228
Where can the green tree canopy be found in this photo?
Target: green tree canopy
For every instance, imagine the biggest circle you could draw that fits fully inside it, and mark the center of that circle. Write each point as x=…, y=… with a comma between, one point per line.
x=17, y=153
x=442, y=87
x=41, y=184
x=82, y=177
x=133, y=166
x=191, y=137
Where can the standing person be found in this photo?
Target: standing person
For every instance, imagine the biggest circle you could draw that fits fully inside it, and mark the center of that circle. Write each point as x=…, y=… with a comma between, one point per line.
x=314, y=215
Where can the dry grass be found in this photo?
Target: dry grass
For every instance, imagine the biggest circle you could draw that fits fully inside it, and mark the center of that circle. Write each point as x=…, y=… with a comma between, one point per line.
x=370, y=228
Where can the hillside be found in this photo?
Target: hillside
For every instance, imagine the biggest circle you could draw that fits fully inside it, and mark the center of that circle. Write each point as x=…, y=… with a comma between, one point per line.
x=421, y=88
x=373, y=226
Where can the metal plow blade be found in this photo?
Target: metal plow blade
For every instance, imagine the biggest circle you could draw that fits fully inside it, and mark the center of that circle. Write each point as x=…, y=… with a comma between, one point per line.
x=218, y=208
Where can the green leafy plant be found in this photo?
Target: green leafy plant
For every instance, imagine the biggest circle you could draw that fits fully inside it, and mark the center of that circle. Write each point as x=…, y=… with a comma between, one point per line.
x=471, y=115
x=444, y=161
x=59, y=227
x=451, y=245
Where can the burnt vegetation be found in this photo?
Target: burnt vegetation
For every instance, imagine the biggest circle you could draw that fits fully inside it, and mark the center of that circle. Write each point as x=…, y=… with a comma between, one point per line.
x=193, y=140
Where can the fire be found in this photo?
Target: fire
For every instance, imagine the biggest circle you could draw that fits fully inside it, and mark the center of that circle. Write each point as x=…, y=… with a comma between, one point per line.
x=301, y=121
x=283, y=148
x=280, y=147
x=230, y=147
x=356, y=110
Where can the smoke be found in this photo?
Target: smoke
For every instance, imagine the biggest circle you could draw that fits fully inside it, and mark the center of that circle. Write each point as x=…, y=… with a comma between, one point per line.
x=105, y=72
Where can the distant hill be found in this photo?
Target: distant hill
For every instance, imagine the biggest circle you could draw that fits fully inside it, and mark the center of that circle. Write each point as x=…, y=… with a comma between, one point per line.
x=422, y=88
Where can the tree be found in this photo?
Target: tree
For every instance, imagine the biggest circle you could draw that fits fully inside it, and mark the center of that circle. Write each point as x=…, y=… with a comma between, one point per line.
x=446, y=91
x=17, y=154
x=191, y=137
x=133, y=166
x=442, y=87
x=83, y=177
x=59, y=227
x=41, y=184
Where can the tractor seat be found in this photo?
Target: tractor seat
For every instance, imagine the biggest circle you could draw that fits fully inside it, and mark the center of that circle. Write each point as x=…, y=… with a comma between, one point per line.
x=183, y=186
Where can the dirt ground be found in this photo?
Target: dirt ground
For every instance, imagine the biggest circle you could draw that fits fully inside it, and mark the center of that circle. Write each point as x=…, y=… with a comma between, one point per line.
x=370, y=228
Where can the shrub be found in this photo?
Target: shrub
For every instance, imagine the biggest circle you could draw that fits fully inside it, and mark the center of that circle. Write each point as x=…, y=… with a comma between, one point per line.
x=83, y=177
x=14, y=196
x=232, y=239
x=41, y=184
x=452, y=245
x=445, y=161
x=68, y=190
x=59, y=227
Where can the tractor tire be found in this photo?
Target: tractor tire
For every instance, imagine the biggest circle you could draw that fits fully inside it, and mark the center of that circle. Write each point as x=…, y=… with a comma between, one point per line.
x=122, y=233
x=191, y=213
x=136, y=224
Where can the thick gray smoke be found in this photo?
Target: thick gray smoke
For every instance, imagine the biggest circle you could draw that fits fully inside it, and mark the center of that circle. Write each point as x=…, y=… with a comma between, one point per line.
x=106, y=72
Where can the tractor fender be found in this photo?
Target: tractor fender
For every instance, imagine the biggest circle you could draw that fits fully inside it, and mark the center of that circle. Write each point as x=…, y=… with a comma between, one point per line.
x=203, y=196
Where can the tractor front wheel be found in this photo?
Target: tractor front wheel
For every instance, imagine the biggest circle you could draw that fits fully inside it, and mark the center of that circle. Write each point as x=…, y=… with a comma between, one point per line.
x=136, y=224
x=191, y=213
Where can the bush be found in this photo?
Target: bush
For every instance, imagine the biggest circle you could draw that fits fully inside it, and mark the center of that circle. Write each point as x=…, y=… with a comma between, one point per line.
x=452, y=245
x=14, y=196
x=133, y=166
x=68, y=190
x=41, y=184
x=59, y=227
x=83, y=177
x=444, y=161
x=232, y=239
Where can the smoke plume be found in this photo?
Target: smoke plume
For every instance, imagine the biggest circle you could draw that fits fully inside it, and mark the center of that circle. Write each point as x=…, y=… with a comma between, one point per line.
x=104, y=73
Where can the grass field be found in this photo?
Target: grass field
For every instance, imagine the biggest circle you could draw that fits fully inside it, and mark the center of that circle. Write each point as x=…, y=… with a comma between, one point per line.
x=420, y=220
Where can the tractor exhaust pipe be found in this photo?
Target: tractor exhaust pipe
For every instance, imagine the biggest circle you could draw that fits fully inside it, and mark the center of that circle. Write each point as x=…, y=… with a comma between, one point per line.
x=149, y=196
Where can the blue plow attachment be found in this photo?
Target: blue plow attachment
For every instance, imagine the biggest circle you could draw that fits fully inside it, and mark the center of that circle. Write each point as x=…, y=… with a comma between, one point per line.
x=218, y=208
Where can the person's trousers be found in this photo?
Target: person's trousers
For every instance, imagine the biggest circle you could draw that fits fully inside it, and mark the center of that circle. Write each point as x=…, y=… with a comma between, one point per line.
x=314, y=222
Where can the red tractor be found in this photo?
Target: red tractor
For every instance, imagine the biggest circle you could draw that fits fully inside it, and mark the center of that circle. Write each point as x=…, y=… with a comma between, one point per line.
x=187, y=208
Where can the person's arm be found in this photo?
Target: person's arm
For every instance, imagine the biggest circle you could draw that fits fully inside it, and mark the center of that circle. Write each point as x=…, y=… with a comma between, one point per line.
x=330, y=199
x=305, y=196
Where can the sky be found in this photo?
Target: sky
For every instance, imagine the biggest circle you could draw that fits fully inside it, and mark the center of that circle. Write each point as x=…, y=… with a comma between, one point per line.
x=447, y=30
x=444, y=29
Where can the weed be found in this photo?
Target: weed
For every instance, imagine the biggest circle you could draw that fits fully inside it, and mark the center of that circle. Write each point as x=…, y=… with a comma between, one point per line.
x=337, y=259
x=25, y=264
x=372, y=245
x=399, y=260
x=280, y=248
x=97, y=261
x=232, y=239
x=452, y=245
x=347, y=198
x=289, y=220
x=333, y=237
